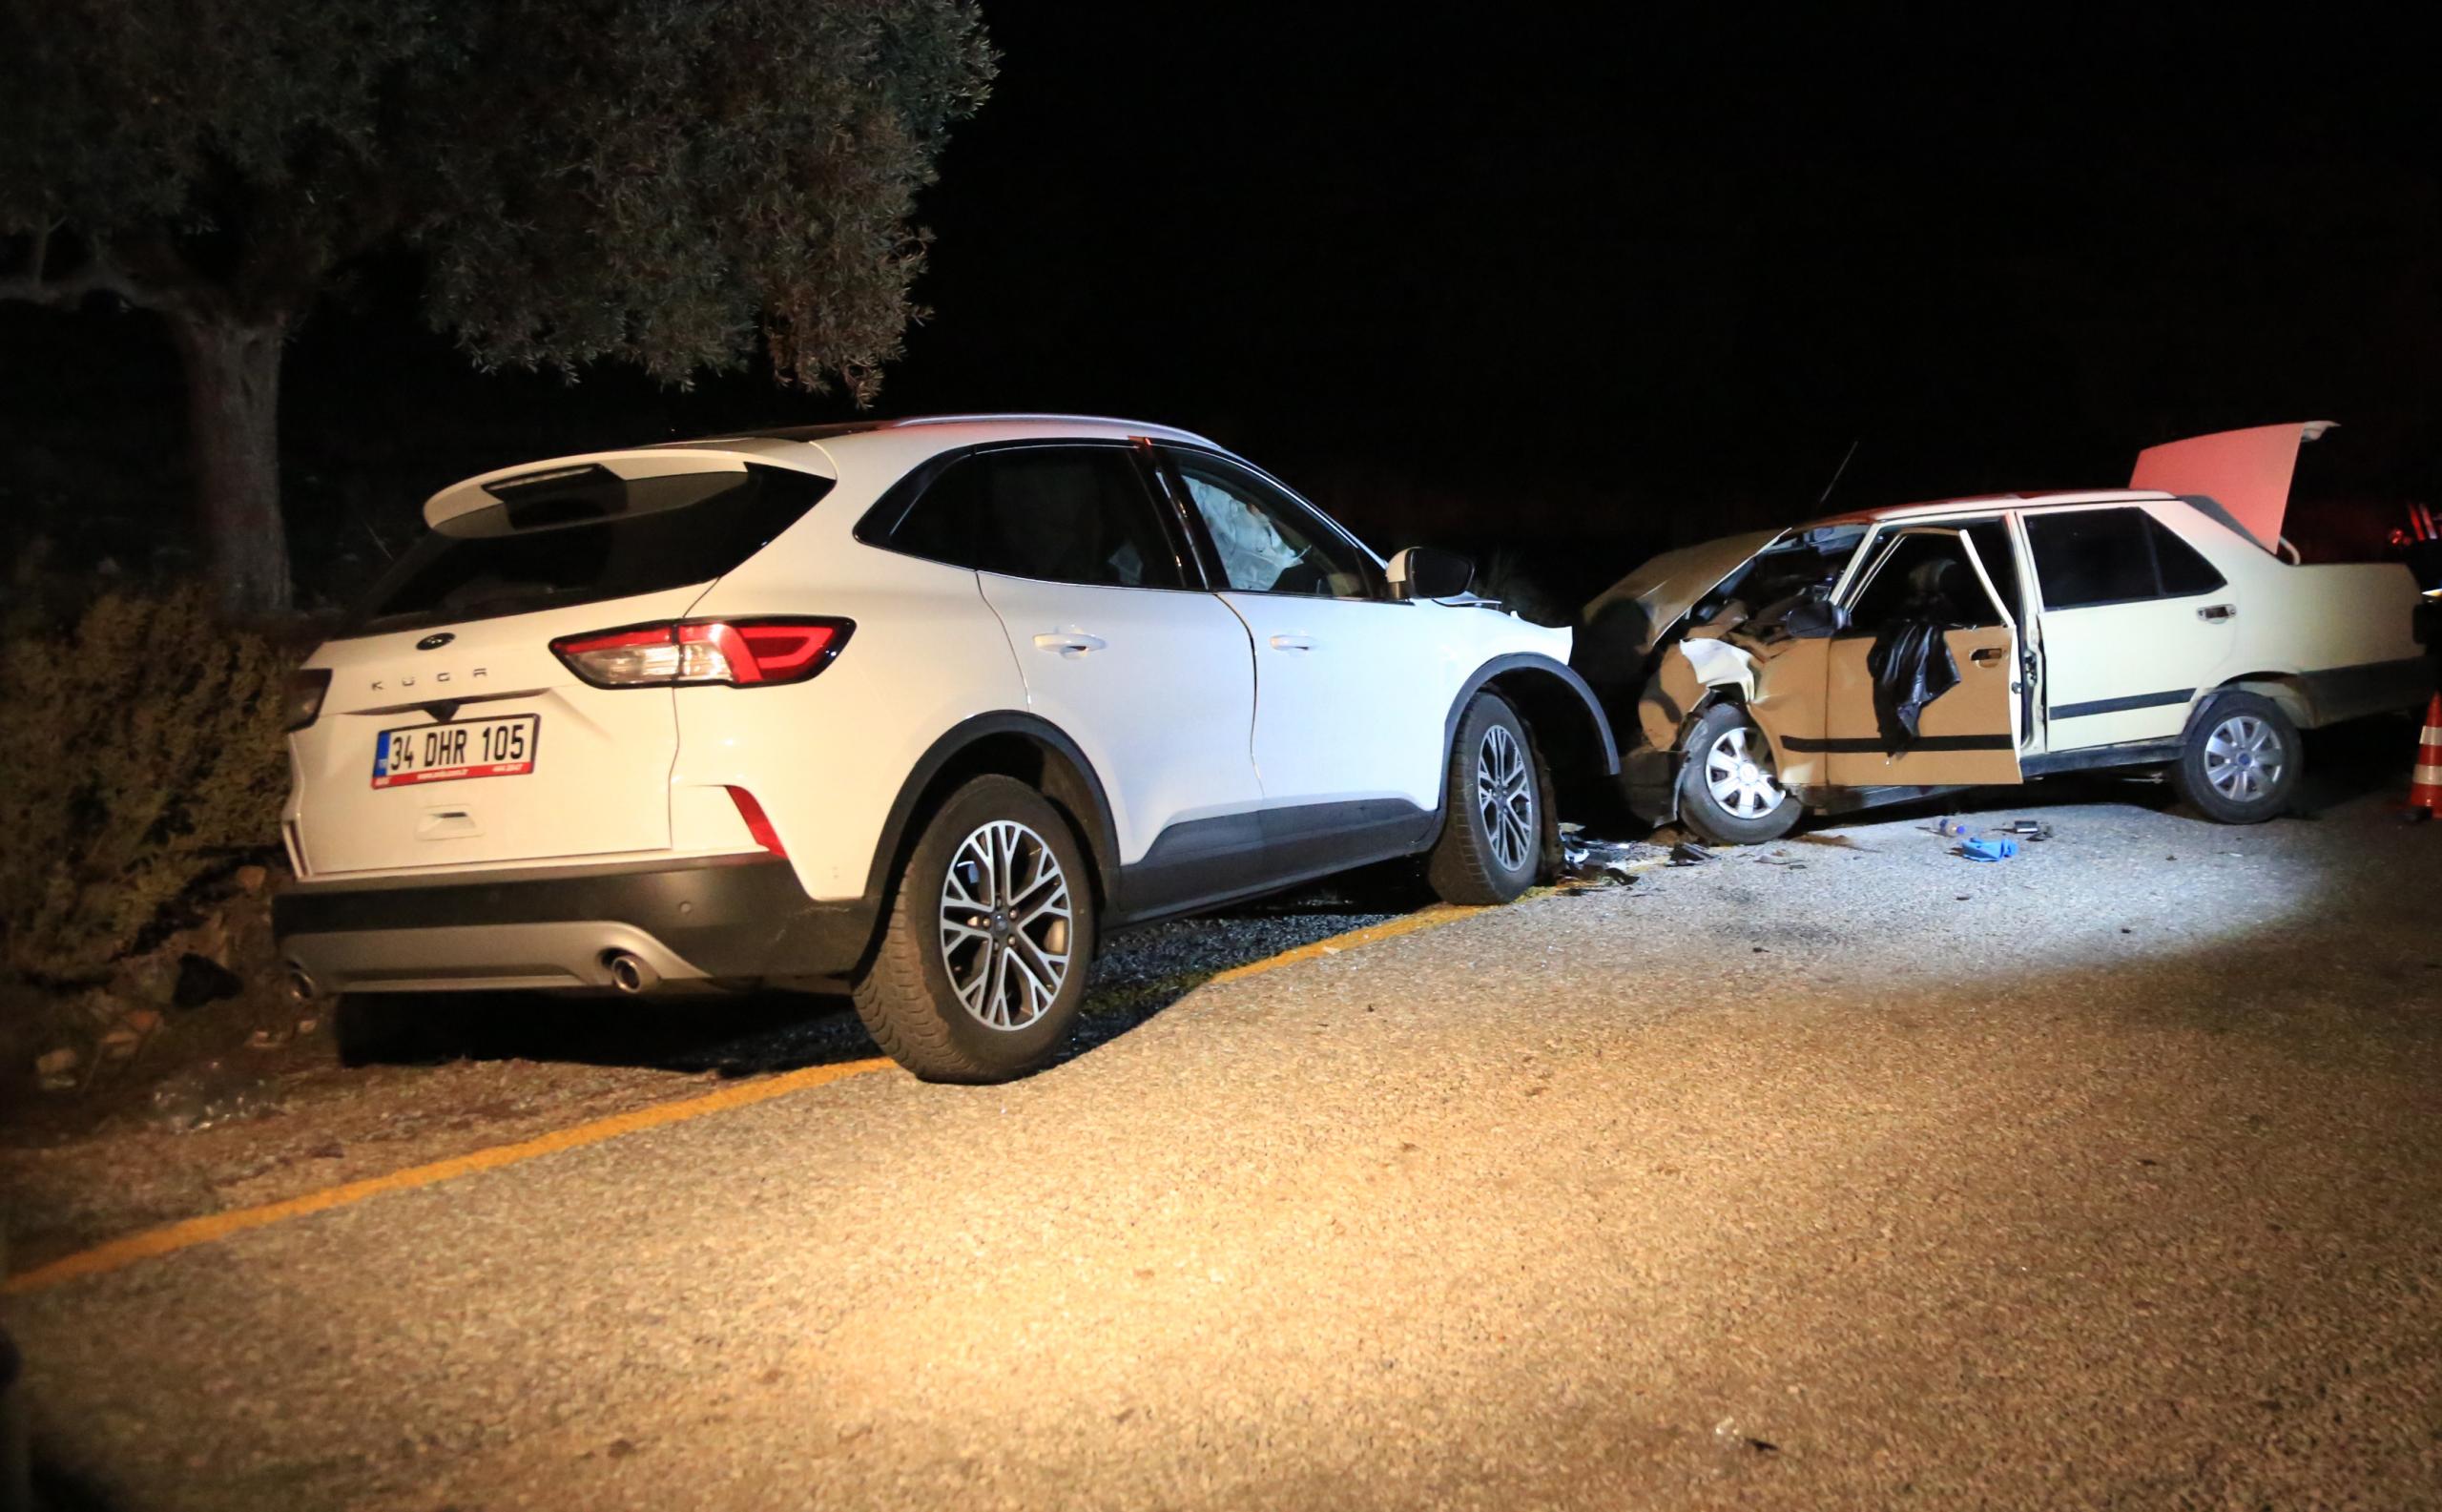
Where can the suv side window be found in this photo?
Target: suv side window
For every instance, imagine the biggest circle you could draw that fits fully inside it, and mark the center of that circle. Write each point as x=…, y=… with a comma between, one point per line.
x=1061, y=514
x=1268, y=542
x=2092, y=556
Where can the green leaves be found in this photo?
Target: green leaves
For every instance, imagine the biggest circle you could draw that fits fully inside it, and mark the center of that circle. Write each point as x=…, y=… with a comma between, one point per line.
x=665, y=182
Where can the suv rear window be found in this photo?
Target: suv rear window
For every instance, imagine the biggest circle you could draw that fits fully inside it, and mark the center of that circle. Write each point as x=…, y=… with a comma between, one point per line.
x=584, y=535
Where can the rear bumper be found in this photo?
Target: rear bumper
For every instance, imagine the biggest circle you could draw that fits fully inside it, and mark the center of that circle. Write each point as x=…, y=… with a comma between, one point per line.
x=723, y=921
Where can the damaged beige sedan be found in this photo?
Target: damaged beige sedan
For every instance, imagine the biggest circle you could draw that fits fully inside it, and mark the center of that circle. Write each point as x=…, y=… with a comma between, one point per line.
x=1896, y=653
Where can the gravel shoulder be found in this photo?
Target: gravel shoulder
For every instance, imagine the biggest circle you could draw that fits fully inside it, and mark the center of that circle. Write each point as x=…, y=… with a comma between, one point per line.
x=246, y=1127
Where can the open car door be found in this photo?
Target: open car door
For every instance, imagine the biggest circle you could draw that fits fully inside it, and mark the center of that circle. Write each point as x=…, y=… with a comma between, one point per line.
x=1967, y=732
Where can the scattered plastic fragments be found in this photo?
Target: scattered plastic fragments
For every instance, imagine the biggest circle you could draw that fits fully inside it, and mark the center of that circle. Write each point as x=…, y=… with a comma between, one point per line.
x=1957, y=829
x=1731, y=1435
x=1687, y=853
x=1596, y=860
x=1986, y=850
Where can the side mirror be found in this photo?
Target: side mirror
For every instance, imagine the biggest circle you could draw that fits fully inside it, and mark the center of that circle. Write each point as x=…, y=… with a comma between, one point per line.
x=1422, y=571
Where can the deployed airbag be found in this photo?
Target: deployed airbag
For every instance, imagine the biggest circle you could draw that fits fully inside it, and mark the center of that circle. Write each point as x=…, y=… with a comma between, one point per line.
x=1253, y=556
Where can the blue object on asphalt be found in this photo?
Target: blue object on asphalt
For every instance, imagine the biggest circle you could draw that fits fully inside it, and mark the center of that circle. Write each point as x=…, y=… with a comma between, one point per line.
x=1991, y=850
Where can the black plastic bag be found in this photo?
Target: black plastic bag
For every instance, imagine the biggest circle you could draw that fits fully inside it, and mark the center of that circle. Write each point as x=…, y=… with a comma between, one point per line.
x=1911, y=666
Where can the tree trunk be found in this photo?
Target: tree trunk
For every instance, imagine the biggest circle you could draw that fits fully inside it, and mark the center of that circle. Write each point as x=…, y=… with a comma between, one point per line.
x=233, y=424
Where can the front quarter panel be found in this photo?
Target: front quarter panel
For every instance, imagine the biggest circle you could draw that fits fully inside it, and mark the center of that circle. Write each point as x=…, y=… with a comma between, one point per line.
x=1474, y=637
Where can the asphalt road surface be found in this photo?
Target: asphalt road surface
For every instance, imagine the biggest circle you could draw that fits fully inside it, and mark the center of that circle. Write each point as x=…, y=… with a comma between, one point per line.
x=1837, y=1174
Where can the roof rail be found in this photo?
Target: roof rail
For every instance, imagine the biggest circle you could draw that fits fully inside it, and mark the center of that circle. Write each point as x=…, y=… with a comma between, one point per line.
x=1146, y=427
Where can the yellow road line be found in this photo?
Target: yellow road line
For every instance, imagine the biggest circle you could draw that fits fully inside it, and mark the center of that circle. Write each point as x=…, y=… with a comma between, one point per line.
x=1406, y=924
x=170, y=1239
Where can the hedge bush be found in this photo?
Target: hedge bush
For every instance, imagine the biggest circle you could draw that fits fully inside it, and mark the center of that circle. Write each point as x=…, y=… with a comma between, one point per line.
x=143, y=752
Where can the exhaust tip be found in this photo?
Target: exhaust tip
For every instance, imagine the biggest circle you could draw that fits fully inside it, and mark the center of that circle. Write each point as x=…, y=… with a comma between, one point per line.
x=630, y=973
x=301, y=983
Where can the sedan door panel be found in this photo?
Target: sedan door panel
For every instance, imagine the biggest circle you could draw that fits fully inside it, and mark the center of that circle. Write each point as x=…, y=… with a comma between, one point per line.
x=1963, y=736
x=1968, y=733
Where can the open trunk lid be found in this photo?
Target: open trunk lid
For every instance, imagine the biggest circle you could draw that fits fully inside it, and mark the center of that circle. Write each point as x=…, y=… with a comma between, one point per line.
x=2247, y=472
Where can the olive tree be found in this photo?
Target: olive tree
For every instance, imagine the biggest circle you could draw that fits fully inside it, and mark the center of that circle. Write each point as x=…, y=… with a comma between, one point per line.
x=672, y=183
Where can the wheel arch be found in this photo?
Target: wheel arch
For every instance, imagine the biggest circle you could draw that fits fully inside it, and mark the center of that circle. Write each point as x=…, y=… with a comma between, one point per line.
x=1653, y=783
x=2288, y=691
x=1005, y=743
x=1560, y=710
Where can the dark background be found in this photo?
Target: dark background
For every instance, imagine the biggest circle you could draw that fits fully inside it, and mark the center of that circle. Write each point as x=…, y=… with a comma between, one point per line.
x=1514, y=279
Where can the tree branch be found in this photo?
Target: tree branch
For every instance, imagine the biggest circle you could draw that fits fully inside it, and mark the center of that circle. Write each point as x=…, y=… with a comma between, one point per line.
x=98, y=275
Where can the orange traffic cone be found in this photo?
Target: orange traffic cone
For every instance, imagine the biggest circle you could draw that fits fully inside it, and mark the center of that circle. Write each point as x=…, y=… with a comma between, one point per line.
x=2424, y=786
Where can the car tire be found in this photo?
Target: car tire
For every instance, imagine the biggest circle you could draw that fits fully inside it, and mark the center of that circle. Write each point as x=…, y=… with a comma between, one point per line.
x=1728, y=792
x=956, y=989
x=1494, y=797
x=2239, y=760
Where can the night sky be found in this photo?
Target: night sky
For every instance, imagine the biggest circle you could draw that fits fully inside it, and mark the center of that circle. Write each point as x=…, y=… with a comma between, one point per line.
x=1522, y=278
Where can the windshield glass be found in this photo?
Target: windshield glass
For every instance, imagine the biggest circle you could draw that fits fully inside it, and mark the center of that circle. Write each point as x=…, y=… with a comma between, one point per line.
x=583, y=534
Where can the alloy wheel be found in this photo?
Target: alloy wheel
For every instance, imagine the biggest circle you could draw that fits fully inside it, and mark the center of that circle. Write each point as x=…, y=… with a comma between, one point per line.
x=1506, y=796
x=1006, y=925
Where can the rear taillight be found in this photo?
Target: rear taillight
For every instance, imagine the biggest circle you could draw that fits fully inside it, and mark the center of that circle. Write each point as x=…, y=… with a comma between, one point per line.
x=306, y=689
x=724, y=653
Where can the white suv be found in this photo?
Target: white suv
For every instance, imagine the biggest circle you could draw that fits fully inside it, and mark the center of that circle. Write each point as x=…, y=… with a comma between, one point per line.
x=927, y=706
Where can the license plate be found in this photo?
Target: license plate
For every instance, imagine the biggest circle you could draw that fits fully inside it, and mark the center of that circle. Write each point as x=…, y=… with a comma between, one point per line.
x=446, y=753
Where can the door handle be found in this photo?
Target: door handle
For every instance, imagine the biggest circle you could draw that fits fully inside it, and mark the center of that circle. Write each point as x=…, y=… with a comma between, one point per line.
x=2218, y=613
x=1292, y=643
x=1068, y=643
x=1987, y=656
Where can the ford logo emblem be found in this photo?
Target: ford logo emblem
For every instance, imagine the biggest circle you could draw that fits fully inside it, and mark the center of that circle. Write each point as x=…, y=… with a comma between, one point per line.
x=435, y=642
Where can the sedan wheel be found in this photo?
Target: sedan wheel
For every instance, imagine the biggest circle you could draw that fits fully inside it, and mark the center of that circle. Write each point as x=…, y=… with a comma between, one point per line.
x=1738, y=772
x=2241, y=760
x=1729, y=792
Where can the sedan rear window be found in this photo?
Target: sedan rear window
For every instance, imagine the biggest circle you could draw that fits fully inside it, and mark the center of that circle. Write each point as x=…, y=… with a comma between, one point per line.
x=2092, y=557
x=583, y=534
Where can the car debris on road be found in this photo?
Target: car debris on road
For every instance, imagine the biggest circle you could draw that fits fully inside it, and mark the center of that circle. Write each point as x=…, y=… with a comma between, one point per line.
x=1584, y=858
